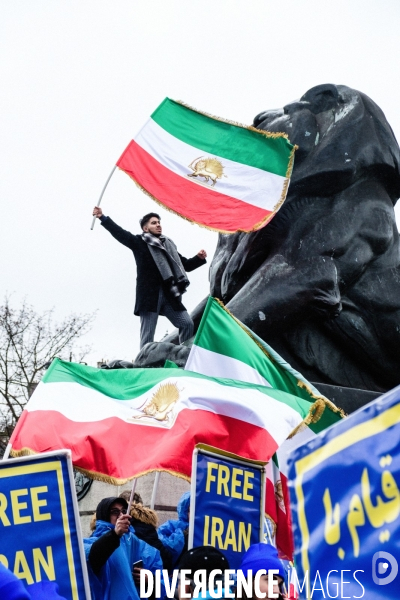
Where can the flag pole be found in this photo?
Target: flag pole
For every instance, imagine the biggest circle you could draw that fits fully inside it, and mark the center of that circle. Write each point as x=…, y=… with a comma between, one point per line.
x=102, y=194
x=7, y=451
x=155, y=486
x=132, y=491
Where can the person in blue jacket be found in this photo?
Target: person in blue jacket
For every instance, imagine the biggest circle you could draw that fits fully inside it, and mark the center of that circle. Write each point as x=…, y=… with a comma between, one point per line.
x=111, y=551
x=174, y=533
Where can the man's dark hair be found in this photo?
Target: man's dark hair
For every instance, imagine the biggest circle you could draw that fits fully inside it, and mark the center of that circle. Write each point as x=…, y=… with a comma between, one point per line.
x=144, y=220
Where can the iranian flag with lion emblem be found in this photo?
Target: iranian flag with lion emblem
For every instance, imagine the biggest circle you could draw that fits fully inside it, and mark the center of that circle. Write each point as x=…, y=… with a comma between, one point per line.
x=221, y=175
x=124, y=423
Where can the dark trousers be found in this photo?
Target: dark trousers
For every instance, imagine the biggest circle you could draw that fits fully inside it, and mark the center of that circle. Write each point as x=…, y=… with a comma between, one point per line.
x=180, y=319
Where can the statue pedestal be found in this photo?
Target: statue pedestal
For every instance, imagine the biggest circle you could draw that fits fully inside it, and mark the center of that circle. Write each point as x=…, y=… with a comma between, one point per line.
x=349, y=399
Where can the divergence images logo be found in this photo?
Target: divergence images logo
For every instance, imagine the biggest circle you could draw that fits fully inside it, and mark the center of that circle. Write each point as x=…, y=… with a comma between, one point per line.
x=384, y=564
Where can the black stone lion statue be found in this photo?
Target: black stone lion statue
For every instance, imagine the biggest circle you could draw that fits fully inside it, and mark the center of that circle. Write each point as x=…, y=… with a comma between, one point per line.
x=321, y=282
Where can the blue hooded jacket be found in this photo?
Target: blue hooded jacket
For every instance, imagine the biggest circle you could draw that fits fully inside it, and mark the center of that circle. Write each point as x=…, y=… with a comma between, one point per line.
x=171, y=532
x=115, y=581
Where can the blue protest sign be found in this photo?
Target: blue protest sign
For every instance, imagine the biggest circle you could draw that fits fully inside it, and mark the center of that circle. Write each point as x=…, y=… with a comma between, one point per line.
x=345, y=494
x=40, y=536
x=227, y=502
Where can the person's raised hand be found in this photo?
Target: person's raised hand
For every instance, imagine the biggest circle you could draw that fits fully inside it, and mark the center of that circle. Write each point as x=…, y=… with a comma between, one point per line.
x=97, y=212
x=202, y=254
x=122, y=525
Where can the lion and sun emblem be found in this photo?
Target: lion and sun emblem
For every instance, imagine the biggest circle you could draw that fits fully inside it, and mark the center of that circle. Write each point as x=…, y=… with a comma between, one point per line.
x=210, y=169
x=279, y=497
x=160, y=407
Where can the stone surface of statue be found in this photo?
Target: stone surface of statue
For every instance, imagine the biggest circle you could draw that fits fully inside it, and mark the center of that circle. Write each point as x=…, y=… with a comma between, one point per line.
x=321, y=282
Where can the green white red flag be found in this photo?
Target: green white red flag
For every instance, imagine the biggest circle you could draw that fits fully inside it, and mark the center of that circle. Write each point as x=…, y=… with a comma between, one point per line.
x=219, y=174
x=224, y=347
x=123, y=423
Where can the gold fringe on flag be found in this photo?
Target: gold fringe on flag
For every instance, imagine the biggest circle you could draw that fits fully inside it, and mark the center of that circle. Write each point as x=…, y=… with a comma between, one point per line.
x=257, y=226
x=101, y=476
x=268, y=134
x=115, y=481
x=314, y=414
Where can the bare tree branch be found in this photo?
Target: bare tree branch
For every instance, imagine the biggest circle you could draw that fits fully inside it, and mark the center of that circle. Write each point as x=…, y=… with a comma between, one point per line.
x=28, y=341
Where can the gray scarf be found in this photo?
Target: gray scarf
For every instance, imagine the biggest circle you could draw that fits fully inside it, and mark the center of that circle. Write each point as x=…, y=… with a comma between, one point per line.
x=167, y=259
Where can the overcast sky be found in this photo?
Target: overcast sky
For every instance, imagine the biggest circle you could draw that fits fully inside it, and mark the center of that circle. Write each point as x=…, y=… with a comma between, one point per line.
x=80, y=77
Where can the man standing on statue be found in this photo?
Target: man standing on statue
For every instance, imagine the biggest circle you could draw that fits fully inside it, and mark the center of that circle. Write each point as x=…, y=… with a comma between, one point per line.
x=161, y=275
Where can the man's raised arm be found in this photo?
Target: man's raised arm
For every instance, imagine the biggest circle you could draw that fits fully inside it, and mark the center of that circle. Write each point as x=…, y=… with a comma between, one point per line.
x=121, y=235
x=190, y=264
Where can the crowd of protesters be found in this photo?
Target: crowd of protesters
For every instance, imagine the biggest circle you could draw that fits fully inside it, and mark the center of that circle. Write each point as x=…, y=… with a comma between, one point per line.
x=123, y=544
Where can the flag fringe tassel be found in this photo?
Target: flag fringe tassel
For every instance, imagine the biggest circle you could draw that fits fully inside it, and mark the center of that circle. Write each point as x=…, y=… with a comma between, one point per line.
x=301, y=384
x=267, y=134
x=282, y=199
x=314, y=414
x=101, y=476
x=256, y=227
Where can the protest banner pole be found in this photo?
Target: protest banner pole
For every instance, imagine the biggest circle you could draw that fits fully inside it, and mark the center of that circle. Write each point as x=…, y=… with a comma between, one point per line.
x=102, y=194
x=131, y=496
x=192, y=498
x=155, y=487
x=7, y=451
x=78, y=525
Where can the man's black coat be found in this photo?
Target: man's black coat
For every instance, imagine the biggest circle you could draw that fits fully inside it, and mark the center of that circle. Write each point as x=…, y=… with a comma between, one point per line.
x=148, y=280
